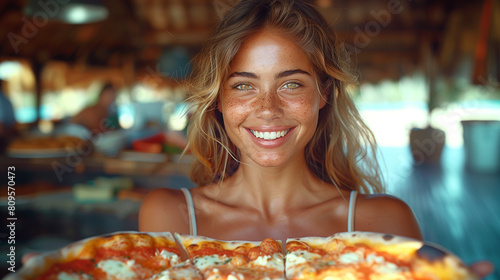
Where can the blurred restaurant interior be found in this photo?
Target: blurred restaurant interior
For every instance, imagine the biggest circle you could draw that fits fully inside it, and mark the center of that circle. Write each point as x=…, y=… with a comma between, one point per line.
x=429, y=74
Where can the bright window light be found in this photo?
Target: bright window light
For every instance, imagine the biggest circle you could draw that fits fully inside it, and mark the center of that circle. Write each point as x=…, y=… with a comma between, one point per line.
x=9, y=69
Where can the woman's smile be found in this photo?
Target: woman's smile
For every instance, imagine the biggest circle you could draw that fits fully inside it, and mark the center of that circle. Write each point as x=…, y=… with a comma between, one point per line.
x=270, y=138
x=269, y=135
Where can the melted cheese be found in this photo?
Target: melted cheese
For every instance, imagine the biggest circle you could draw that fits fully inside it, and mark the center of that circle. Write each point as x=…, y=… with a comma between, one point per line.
x=300, y=257
x=274, y=262
x=181, y=271
x=349, y=258
x=174, y=258
x=298, y=263
x=374, y=258
x=72, y=276
x=378, y=263
x=118, y=269
x=203, y=262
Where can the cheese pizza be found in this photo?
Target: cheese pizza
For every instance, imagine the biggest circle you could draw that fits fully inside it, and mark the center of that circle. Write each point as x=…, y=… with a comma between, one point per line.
x=126, y=256
x=217, y=259
x=160, y=256
x=370, y=256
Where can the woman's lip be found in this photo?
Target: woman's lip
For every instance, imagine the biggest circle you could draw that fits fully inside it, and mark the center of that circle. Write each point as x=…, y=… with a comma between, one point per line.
x=269, y=128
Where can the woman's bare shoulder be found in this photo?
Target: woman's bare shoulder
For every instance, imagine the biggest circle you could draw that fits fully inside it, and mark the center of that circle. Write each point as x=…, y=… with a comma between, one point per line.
x=164, y=209
x=387, y=214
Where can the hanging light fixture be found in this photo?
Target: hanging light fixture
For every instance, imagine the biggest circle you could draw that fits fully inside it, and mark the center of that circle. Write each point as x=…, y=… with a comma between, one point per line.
x=69, y=11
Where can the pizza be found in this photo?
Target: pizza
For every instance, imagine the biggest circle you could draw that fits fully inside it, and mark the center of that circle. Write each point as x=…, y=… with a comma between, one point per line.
x=160, y=256
x=370, y=256
x=234, y=260
x=124, y=256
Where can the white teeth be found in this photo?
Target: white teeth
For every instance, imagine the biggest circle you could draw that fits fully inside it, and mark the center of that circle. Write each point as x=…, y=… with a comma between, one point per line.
x=270, y=135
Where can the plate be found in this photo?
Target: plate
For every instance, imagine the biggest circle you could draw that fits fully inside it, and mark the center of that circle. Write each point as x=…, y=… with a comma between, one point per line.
x=37, y=153
x=47, y=146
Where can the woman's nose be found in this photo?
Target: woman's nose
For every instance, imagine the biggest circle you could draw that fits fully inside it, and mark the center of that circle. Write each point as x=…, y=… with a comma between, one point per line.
x=269, y=106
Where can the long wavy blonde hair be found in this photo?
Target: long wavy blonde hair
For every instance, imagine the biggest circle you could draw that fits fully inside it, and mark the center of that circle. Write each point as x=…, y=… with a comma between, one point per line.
x=341, y=152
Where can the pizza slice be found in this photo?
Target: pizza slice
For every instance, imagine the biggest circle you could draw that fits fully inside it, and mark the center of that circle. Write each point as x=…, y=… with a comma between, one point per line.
x=234, y=260
x=126, y=256
x=183, y=271
x=362, y=255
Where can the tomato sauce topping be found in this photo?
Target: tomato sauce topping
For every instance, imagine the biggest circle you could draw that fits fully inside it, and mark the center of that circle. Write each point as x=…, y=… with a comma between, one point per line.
x=75, y=266
x=210, y=251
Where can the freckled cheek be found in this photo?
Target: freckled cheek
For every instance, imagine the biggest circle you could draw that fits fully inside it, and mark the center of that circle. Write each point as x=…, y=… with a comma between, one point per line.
x=305, y=108
x=235, y=110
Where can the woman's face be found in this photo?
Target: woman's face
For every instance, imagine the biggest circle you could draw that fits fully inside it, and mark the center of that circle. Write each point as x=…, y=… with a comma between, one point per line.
x=270, y=102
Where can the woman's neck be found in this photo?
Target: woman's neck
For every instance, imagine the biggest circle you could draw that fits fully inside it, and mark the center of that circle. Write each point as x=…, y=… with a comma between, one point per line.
x=275, y=189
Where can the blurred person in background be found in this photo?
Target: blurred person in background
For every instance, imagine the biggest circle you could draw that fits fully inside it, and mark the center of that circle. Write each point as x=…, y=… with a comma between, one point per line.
x=7, y=119
x=102, y=116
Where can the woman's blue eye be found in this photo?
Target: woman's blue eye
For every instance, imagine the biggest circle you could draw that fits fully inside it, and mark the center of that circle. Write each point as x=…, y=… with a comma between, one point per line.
x=291, y=85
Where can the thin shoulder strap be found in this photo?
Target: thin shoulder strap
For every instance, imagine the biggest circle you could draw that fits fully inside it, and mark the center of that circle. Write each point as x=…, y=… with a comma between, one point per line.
x=193, y=230
x=352, y=207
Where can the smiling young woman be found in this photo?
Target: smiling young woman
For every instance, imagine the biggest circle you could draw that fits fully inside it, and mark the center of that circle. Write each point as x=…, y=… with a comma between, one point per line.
x=280, y=148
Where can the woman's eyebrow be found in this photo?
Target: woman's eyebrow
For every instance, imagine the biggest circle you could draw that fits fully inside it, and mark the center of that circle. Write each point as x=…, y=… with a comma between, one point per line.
x=277, y=76
x=243, y=74
x=291, y=72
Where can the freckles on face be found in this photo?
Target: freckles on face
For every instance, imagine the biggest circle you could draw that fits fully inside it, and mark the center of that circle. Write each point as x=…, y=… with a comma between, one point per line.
x=233, y=107
x=305, y=107
x=269, y=101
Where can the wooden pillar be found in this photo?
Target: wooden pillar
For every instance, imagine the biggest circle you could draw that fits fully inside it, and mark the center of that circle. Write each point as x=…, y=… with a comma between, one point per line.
x=37, y=71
